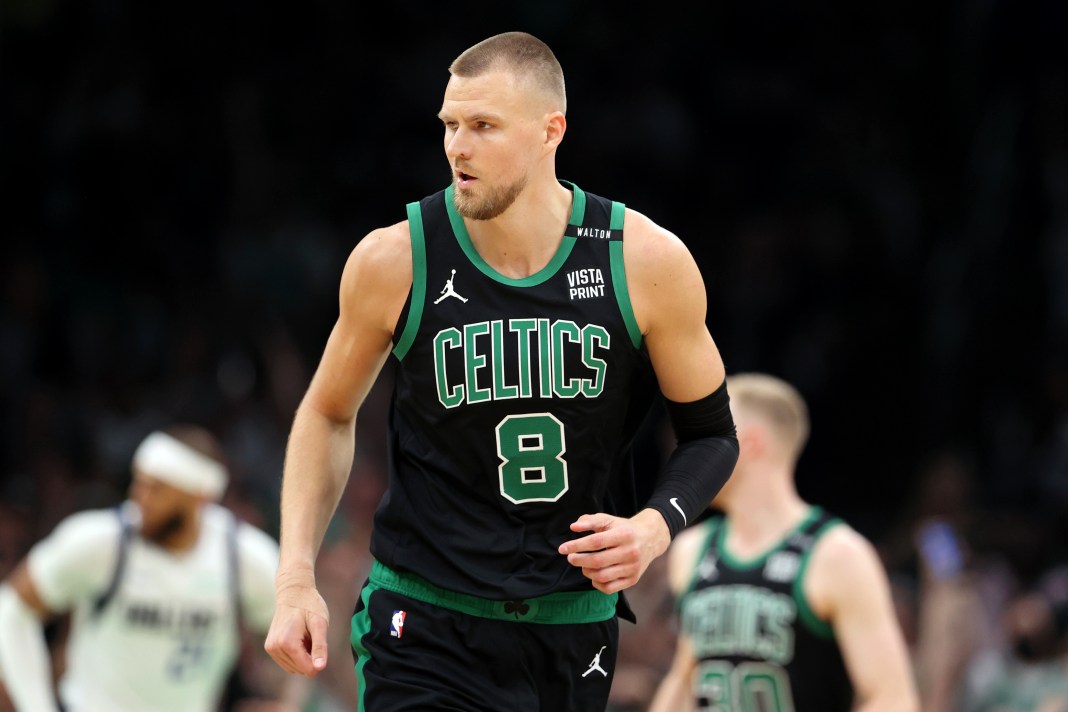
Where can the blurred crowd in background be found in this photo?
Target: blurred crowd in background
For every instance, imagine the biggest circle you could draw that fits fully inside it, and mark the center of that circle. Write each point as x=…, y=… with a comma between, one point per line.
x=877, y=196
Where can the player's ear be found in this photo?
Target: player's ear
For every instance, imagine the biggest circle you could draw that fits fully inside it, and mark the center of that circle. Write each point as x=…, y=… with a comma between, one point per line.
x=555, y=127
x=753, y=439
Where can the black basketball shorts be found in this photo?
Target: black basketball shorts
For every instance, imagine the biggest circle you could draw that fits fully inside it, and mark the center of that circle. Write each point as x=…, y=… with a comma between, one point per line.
x=472, y=655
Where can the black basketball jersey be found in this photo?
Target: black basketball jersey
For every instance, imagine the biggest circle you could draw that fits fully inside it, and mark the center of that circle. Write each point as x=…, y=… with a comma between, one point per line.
x=514, y=407
x=758, y=644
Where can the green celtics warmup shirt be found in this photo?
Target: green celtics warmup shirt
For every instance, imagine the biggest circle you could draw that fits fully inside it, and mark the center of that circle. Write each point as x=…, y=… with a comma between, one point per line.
x=515, y=404
x=758, y=644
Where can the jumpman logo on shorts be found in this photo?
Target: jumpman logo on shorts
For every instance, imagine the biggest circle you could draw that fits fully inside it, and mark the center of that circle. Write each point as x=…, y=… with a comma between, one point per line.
x=596, y=663
x=448, y=291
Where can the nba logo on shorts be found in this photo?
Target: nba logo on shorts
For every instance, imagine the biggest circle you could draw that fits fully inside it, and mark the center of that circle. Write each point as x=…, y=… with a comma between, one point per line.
x=396, y=626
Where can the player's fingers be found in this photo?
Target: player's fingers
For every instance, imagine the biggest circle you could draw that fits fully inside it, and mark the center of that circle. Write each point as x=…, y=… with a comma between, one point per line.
x=608, y=574
x=317, y=626
x=288, y=643
x=605, y=582
x=276, y=648
x=614, y=585
x=593, y=542
x=592, y=560
x=272, y=644
x=296, y=650
x=591, y=522
x=604, y=549
x=608, y=539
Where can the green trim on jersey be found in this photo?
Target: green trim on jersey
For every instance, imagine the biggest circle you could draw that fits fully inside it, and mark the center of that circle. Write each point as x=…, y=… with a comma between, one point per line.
x=566, y=607
x=619, y=276
x=578, y=203
x=361, y=626
x=619, y=283
x=415, y=309
x=717, y=537
x=748, y=564
x=619, y=211
x=562, y=252
x=807, y=616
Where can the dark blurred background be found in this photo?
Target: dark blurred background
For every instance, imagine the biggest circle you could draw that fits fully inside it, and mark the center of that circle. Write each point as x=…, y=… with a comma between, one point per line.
x=876, y=193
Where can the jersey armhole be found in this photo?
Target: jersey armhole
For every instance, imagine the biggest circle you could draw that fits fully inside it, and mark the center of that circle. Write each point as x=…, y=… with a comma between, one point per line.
x=808, y=617
x=418, y=294
x=619, y=275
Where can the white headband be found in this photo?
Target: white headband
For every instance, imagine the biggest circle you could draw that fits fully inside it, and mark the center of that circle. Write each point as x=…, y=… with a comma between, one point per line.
x=179, y=465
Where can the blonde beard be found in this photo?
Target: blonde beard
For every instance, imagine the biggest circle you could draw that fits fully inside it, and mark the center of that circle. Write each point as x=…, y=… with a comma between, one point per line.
x=489, y=206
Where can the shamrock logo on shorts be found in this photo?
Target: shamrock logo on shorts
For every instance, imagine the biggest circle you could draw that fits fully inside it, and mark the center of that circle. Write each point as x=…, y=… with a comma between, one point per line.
x=517, y=608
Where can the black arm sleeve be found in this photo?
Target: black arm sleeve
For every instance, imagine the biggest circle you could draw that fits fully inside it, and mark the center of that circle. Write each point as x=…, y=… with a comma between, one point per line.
x=701, y=463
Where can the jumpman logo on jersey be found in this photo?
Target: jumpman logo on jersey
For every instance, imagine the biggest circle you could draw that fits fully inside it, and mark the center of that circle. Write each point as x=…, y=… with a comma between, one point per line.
x=448, y=291
x=596, y=663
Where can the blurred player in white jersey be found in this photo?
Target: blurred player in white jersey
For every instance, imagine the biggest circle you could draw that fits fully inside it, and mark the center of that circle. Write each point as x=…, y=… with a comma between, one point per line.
x=159, y=590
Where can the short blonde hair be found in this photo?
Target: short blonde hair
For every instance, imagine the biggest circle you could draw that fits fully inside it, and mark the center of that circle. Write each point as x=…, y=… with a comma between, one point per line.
x=774, y=401
x=527, y=57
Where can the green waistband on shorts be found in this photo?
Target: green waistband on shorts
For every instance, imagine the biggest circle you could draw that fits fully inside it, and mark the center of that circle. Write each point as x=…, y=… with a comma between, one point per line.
x=565, y=607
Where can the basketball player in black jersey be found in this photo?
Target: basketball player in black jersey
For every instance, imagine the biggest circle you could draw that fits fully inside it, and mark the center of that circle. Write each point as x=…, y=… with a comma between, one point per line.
x=781, y=606
x=528, y=322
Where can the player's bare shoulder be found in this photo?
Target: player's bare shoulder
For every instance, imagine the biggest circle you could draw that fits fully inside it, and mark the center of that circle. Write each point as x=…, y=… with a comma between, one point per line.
x=378, y=274
x=381, y=257
x=651, y=241
x=843, y=560
x=89, y=529
x=662, y=275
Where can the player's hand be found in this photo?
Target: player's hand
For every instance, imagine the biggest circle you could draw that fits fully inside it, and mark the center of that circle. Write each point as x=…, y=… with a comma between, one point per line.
x=618, y=551
x=297, y=638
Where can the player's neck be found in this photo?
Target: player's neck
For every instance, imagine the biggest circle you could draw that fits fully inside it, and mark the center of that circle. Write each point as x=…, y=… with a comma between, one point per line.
x=766, y=511
x=182, y=538
x=523, y=239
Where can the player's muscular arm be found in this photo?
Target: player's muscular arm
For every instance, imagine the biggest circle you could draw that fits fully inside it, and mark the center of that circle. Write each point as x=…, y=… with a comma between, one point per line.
x=675, y=692
x=319, y=454
x=374, y=285
x=668, y=297
x=25, y=666
x=847, y=586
